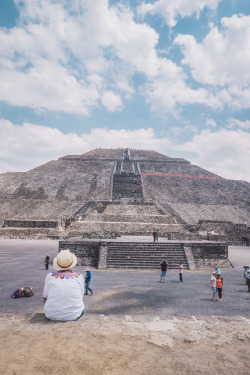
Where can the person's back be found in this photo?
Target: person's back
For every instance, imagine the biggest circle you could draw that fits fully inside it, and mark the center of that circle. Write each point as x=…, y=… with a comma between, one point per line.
x=64, y=289
x=164, y=265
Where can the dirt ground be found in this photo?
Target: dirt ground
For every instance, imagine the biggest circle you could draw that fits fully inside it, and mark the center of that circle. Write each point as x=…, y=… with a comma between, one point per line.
x=107, y=345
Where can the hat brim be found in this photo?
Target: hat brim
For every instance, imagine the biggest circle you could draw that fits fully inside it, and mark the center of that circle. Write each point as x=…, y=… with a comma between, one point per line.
x=58, y=268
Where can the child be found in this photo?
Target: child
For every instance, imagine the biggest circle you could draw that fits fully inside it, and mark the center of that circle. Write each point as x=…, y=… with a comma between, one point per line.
x=219, y=283
x=87, y=282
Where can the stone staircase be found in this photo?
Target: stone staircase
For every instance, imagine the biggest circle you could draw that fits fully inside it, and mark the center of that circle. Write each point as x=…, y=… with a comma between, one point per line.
x=124, y=186
x=147, y=255
x=123, y=181
x=97, y=219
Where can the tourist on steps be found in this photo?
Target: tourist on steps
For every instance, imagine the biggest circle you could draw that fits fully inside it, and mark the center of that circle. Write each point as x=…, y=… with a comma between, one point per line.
x=154, y=235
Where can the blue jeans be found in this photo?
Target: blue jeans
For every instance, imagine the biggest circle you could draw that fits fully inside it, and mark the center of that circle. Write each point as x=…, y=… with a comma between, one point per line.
x=87, y=287
x=180, y=274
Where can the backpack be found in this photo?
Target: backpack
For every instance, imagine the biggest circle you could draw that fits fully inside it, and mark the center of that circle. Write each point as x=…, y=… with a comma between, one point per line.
x=23, y=292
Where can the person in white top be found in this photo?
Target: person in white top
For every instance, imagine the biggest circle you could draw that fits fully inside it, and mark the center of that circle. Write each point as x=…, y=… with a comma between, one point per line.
x=213, y=285
x=64, y=289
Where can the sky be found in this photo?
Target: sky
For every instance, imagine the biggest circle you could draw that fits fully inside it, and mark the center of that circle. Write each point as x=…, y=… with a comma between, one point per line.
x=171, y=76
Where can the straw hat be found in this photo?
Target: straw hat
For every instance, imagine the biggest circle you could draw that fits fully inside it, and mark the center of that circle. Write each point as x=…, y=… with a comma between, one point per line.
x=64, y=260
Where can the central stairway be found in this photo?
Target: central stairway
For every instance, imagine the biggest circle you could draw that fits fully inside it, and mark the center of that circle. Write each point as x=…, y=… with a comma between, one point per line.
x=147, y=255
x=127, y=181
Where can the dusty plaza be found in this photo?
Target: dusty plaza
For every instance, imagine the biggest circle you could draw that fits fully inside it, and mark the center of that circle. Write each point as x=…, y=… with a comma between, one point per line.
x=132, y=323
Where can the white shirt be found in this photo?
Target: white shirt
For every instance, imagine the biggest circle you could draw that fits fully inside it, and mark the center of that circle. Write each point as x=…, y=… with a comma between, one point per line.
x=213, y=281
x=64, y=291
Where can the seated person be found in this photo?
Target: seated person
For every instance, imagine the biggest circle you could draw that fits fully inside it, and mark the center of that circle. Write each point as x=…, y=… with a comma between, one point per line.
x=64, y=289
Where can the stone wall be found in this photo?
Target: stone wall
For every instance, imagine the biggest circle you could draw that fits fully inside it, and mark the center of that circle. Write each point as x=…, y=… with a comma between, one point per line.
x=30, y=233
x=225, y=231
x=209, y=255
x=203, y=255
x=87, y=252
x=30, y=224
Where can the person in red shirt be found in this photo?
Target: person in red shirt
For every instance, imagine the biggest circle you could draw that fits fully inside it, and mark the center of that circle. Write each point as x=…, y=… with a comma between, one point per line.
x=154, y=235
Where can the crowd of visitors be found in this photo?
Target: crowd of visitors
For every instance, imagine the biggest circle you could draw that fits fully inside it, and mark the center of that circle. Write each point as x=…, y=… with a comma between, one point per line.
x=64, y=289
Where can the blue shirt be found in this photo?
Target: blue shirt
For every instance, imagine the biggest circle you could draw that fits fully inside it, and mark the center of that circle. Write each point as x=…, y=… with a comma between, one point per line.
x=87, y=277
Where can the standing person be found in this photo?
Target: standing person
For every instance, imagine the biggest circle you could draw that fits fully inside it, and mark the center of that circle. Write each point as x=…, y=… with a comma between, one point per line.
x=47, y=262
x=164, y=266
x=157, y=236
x=219, y=285
x=246, y=270
x=213, y=285
x=218, y=271
x=63, y=289
x=87, y=282
x=154, y=235
x=181, y=272
x=248, y=279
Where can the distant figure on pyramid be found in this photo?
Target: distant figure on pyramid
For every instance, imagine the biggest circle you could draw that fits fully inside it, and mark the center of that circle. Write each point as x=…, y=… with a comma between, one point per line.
x=155, y=236
x=126, y=157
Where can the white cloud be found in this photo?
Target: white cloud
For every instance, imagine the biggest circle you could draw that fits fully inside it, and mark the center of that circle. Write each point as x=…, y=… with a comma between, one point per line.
x=23, y=147
x=66, y=56
x=236, y=123
x=210, y=122
x=224, y=152
x=112, y=101
x=222, y=60
x=170, y=10
x=70, y=56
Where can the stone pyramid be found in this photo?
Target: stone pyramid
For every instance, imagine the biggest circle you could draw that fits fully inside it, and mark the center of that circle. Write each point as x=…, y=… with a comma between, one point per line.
x=153, y=189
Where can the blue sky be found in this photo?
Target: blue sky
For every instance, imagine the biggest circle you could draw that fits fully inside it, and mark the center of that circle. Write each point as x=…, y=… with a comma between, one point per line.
x=167, y=75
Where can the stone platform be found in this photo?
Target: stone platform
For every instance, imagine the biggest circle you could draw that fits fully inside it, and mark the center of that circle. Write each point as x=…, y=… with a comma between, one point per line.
x=142, y=253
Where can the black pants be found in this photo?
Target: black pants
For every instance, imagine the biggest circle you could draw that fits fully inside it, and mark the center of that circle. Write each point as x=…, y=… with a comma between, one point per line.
x=220, y=292
x=248, y=284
